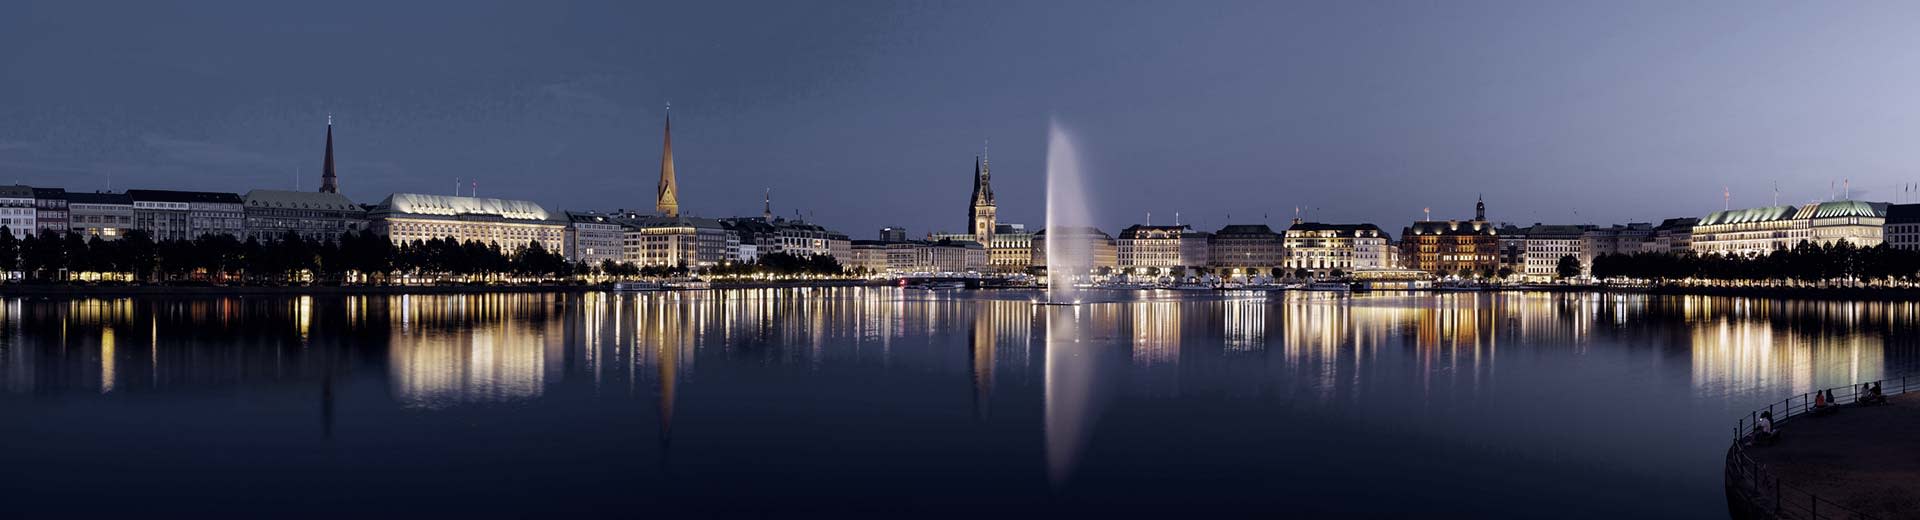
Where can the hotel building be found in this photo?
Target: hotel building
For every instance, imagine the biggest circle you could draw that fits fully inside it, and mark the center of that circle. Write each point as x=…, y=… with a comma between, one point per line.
x=1323, y=248
x=1450, y=246
x=1761, y=230
x=407, y=217
x=1143, y=246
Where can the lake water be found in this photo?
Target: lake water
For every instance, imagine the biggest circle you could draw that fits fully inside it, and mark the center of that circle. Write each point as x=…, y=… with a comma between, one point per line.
x=887, y=401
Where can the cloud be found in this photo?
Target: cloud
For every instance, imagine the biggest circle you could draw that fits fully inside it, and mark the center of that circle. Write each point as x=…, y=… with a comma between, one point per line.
x=585, y=100
x=209, y=153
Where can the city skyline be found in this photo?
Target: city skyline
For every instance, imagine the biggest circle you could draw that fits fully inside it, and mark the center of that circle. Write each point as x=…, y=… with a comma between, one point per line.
x=571, y=121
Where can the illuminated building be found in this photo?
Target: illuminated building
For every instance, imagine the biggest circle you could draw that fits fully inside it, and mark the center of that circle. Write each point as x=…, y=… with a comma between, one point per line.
x=1246, y=246
x=593, y=238
x=407, y=217
x=1545, y=245
x=315, y=216
x=1324, y=248
x=1143, y=246
x=676, y=241
x=982, y=213
x=187, y=215
x=893, y=234
x=1010, y=249
x=903, y=258
x=1446, y=247
x=105, y=215
x=1762, y=230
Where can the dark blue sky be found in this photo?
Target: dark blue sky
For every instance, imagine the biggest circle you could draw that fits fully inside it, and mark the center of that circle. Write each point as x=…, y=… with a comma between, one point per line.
x=869, y=114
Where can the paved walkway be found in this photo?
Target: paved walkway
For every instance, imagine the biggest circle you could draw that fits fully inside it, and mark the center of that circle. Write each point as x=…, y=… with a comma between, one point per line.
x=1865, y=458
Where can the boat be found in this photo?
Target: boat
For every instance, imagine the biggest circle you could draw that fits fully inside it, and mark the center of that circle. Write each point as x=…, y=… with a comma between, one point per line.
x=1330, y=286
x=688, y=285
x=1191, y=287
x=938, y=286
x=638, y=287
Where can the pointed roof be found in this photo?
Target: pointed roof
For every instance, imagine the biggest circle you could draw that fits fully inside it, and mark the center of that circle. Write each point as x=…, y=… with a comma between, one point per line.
x=982, y=180
x=667, y=200
x=329, y=183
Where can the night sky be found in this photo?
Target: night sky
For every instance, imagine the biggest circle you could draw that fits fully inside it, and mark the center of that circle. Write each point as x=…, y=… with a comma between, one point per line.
x=864, y=115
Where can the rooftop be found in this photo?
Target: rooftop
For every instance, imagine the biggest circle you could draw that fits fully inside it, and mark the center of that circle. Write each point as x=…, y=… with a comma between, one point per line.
x=283, y=199
x=448, y=205
x=205, y=197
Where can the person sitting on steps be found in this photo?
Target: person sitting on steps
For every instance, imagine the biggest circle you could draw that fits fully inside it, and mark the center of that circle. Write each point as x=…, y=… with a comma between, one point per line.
x=1763, y=432
x=1872, y=395
x=1822, y=403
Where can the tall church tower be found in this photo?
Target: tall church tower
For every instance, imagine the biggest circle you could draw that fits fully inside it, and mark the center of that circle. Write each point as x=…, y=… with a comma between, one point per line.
x=328, y=182
x=667, y=201
x=1480, y=208
x=981, y=217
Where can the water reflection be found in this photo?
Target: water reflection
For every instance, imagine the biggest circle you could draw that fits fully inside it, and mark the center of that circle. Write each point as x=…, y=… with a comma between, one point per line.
x=695, y=364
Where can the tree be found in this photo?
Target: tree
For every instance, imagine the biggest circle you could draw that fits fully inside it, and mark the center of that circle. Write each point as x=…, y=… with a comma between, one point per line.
x=1302, y=272
x=1568, y=267
x=9, y=251
x=1337, y=273
x=1505, y=273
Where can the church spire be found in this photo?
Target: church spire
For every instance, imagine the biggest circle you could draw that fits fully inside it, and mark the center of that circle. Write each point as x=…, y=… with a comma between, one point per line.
x=668, y=197
x=328, y=182
x=1480, y=208
x=766, y=213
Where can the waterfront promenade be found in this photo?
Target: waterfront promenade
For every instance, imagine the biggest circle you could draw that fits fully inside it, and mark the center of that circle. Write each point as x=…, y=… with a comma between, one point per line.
x=1861, y=462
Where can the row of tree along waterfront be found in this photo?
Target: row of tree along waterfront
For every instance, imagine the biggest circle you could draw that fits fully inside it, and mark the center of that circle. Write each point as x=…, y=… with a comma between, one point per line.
x=363, y=258
x=1804, y=264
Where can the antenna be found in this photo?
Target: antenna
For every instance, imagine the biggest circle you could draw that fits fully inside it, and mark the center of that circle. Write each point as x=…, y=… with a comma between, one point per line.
x=456, y=186
x=1149, y=218
x=1726, y=198
x=1776, y=193
x=1847, y=186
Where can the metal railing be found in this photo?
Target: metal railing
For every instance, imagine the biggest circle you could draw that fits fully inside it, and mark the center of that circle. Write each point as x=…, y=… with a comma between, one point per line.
x=1751, y=486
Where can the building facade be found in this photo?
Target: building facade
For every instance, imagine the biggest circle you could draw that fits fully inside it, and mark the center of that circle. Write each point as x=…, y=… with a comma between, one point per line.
x=1674, y=235
x=50, y=209
x=1759, y=231
x=1097, y=245
x=594, y=238
x=1448, y=247
x=1164, y=247
x=1903, y=227
x=314, y=216
x=1324, y=248
x=105, y=215
x=1010, y=249
x=1546, y=245
x=18, y=212
x=696, y=243
x=1247, y=248
x=409, y=217
x=188, y=215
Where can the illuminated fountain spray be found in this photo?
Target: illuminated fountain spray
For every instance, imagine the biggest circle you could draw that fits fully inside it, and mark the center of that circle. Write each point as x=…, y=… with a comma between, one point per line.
x=1069, y=221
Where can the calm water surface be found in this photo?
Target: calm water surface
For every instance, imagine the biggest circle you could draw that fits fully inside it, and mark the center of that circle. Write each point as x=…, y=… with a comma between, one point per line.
x=887, y=401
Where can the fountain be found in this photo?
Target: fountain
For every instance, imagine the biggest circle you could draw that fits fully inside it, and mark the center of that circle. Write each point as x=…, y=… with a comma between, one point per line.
x=1069, y=248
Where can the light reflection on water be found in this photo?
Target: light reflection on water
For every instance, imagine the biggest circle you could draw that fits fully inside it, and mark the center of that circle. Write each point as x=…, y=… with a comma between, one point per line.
x=1091, y=392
